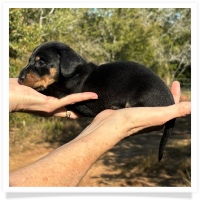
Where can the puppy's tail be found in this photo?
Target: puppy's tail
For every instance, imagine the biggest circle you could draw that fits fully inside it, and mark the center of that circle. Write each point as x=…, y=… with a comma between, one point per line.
x=167, y=132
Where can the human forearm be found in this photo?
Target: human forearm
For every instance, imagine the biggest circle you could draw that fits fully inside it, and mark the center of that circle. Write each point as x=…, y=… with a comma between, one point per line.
x=68, y=164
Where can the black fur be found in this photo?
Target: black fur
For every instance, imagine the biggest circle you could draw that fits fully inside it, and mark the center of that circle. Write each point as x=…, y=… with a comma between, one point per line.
x=118, y=84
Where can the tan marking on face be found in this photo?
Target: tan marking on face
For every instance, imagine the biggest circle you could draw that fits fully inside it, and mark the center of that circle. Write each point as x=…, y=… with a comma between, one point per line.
x=31, y=79
x=53, y=72
x=40, y=83
x=37, y=58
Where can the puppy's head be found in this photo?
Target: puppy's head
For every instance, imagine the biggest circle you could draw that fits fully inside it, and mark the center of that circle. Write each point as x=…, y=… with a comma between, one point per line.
x=48, y=63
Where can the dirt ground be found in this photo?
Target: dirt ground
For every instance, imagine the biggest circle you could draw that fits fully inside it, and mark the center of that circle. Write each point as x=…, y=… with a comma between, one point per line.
x=132, y=162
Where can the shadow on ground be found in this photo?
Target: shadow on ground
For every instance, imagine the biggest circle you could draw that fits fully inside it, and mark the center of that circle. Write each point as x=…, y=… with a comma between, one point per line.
x=134, y=161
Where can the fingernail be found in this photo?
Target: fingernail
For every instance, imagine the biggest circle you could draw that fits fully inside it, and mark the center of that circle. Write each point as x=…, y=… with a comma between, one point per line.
x=94, y=96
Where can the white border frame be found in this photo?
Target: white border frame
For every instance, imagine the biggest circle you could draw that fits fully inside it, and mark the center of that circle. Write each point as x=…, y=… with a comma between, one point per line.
x=88, y=4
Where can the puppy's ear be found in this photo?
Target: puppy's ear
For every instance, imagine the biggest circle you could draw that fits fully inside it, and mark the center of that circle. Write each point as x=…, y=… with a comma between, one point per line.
x=69, y=61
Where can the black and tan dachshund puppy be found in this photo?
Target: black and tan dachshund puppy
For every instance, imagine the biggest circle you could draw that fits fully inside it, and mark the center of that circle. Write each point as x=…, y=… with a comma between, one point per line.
x=55, y=69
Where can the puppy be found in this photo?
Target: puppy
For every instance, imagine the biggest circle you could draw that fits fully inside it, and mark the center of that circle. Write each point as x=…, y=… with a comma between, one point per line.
x=55, y=69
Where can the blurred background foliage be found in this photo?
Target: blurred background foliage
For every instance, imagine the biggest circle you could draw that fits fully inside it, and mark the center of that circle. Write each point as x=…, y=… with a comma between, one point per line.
x=157, y=38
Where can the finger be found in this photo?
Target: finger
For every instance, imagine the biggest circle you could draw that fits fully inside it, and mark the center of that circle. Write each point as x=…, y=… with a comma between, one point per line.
x=62, y=112
x=154, y=116
x=57, y=105
x=78, y=97
x=183, y=109
x=52, y=103
x=64, y=115
x=176, y=91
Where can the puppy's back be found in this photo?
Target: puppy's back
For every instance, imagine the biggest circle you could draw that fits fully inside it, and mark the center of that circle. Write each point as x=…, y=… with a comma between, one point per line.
x=128, y=83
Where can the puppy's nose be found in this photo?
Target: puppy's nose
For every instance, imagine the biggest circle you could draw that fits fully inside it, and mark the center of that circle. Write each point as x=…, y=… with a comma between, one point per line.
x=21, y=78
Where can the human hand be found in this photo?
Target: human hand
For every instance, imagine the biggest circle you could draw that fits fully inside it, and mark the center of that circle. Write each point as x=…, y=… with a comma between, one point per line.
x=132, y=120
x=26, y=99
